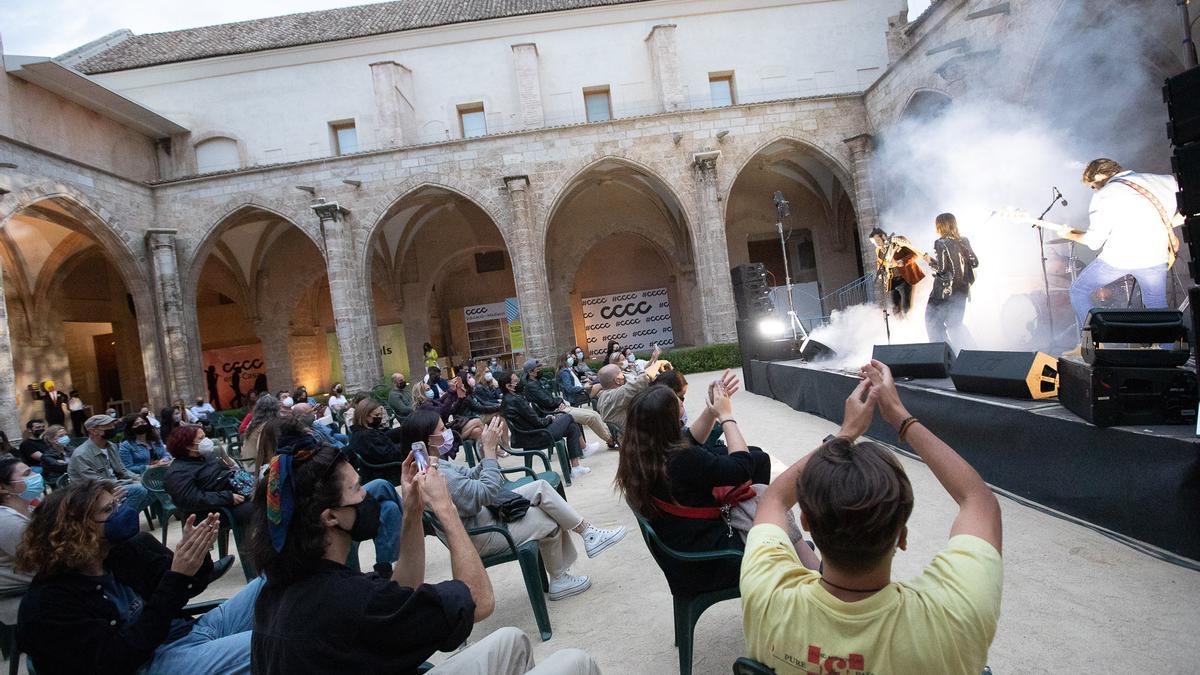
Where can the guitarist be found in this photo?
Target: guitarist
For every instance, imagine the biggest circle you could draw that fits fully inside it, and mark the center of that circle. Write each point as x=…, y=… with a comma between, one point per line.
x=896, y=260
x=1132, y=221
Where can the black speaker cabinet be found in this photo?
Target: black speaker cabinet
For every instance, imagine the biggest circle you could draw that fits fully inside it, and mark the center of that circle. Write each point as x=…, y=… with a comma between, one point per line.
x=931, y=360
x=1182, y=96
x=751, y=294
x=1133, y=338
x=1032, y=375
x=1110, y=396
x=753, y=345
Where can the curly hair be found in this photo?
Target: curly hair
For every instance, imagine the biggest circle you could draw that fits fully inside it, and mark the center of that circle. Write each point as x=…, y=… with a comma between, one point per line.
x=652, y=437
x=61, y=535
x=316, y=487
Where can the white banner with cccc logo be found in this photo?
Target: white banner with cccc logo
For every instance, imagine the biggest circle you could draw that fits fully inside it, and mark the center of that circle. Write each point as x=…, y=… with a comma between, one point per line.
x=636, y=319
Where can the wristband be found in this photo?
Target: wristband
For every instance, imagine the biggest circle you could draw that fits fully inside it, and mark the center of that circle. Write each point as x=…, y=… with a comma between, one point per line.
x=905, y=425
x=724, y=422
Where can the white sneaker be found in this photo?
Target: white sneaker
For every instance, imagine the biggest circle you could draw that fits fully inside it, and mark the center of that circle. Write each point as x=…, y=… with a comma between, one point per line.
x=577, y=471
x=596, y=540
x=592, y=448
x=567, y=585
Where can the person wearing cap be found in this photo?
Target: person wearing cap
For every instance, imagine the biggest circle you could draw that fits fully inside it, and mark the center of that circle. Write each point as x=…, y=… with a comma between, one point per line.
x=547, y=403
x=97, y=459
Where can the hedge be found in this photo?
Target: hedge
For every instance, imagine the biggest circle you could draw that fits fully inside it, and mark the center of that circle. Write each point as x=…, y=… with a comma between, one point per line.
x=700, y=359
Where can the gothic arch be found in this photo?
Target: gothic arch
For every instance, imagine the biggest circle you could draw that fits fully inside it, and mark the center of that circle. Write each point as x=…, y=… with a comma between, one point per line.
x=828, y=160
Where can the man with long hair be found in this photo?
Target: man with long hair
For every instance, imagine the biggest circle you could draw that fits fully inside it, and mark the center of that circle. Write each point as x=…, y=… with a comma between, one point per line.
x=897, y=269
x=954, y=272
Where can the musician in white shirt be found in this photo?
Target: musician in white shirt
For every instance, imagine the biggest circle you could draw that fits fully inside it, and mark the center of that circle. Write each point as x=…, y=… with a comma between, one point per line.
x=1127, y=226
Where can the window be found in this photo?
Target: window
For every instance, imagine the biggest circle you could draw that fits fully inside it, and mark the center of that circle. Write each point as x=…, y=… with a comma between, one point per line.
x=217, y=154
x=598, y=104
x=471, y=120
x=345, y=137
x=720, y=89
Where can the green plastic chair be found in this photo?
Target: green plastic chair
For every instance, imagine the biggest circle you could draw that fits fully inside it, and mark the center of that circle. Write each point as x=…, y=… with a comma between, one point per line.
x=228, y=524
x=748, y=666
x=160, y=502
x=527, y=555
x=539, y=443
x=471, y=454
x=688, y=608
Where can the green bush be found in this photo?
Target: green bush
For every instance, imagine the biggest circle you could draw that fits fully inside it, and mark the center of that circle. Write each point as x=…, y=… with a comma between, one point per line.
x=704, y=358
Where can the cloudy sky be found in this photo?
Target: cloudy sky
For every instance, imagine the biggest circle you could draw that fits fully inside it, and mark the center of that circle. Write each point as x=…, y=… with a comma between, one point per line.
x=51, y=27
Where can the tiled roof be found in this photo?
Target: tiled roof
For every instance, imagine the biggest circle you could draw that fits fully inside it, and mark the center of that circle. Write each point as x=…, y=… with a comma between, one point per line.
x=140, y=51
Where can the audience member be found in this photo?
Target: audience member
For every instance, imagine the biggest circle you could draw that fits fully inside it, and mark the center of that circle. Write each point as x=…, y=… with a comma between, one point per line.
x=201, y=411
x=141, y=448
x=337, y=398
x=547, y=403
x=612, y=348
x=19, y=488
x=547, y=521
x=149, y=415
x=435, y=381
x=576, y=391
x=197, y=481
x=706, y=432
x=400, y=399
x=617, y=390
x=285, y=399
x=105, y=598
x=97, y=459
x=348, y=418
x=33, y=444
x=78, y=412
x=300, y=395
x=317, y=615
x=581, y=367
x=304, y=413
x=56, y=454
x=171, y=418
x=856, y=500
x=488, y=396
x=373, y=442
x=521, y=416
x=251, y=401
x=266, y=410
x=466, y=413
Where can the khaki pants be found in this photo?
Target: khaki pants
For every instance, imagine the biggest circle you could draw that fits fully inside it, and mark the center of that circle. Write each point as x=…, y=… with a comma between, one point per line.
x=548, y=521
x=591, y=419
x=508, y=651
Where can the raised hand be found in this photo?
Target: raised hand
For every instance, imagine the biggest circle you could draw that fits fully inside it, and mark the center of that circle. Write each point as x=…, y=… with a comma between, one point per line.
x=491, y=436
x=409, y=489
x=434, y=492
x=731, y=382
x=860, y=410
x=197, y=540
x=890, y=407
x=718, y=402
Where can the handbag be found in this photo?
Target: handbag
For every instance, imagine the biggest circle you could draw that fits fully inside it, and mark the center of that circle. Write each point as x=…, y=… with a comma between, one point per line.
x=509, y=506
x=242, y=482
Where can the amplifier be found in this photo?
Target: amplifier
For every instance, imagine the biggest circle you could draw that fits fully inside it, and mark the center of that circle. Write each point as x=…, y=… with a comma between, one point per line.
x=1111, y=396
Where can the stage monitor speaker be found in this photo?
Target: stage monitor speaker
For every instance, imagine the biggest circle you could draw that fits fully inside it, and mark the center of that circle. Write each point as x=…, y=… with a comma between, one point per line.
x=1032, y=375
x=811, y=350
x=1132, y=338
x=932, y=360
x=1182, y=96
x=751, y=294
x=1109, y=396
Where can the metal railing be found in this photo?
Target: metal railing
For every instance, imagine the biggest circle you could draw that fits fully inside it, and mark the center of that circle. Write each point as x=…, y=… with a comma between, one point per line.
x=856, y=292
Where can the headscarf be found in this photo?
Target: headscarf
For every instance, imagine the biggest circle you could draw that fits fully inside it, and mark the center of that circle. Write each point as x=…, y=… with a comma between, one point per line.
x=281, y=496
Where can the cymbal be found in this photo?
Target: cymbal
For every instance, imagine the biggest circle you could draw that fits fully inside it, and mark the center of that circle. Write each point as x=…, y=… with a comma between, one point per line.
x=1058, y=242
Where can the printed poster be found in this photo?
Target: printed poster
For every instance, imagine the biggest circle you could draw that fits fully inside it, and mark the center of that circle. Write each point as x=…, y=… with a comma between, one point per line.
x=636, y=319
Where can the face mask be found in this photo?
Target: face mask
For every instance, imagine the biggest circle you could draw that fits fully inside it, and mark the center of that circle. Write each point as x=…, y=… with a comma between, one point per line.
x=401, y=384
x=34, y=484
x=337, y=390
x=428, y=393
x=176, y=416
x=570, y=360
x=377, y=422
x=579, y=353
x=138, y=431
x=308, y=420
x=447, y=442
x=472, y=370
x=287, y=402
x=109, y=434
x=366, y=519
x=122, y=524
x=206, y=446
x=37, y=433
x=487, y=377
x=63, y=440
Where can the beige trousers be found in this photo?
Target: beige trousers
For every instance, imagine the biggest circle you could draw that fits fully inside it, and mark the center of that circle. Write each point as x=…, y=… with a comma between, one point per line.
x=592, y=420
x=508, y=651
x=548, y=521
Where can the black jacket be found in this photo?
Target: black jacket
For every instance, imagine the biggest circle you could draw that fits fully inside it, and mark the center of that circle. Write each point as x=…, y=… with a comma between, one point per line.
x=520, y=414
x=481, y=403
x=66, y=625
x=377, y=446
x=536, y=393
x=954, y=269
x=197, y=483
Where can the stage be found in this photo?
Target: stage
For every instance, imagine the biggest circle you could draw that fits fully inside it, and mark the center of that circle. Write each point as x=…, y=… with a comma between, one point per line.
x=1143, y=482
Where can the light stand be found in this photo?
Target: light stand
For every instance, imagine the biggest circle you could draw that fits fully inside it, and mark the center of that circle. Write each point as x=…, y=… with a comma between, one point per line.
x=783, y=211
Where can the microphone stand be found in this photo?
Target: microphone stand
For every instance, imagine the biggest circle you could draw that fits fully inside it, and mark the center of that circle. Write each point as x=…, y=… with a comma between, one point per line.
x=1045, y=275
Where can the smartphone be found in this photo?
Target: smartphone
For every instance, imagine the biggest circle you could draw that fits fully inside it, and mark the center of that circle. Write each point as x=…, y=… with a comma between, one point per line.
x=420, y=455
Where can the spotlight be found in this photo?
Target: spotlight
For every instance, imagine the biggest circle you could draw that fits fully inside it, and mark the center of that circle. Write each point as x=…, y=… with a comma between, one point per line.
x=770, y=327
x=310, y=190
x=722, y=134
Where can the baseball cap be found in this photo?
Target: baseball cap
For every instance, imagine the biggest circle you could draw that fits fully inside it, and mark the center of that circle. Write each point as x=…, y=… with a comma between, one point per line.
x=530, y=364
x=98, y=421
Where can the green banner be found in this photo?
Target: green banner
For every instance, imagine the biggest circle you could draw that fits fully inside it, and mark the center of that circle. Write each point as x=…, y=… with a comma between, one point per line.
x=392, y=351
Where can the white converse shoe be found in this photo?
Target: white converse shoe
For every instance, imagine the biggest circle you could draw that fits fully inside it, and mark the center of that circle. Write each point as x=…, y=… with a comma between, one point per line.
x=592, y=448
x=577, y=471
x=567, y=585
x=596, y=540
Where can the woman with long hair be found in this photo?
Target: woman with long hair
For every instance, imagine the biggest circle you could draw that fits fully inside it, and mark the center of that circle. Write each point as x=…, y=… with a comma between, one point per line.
x=141, y=448
x=265, y=410
x=613, y=347
x=575, y=390
x=373, y=442
x=105, y=598
x=954, y=272
x=19, y=488
x=520, y=414
x=547, y=521
x=57, y=453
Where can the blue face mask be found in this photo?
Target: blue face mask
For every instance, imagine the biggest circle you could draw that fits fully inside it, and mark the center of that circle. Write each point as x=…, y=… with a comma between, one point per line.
x=447, y=443
x=122, y=524
x=34, y=485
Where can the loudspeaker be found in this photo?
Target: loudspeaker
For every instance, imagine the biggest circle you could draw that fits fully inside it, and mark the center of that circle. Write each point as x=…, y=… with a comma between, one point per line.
x=751, y=293
x=1131, y=338
x=1031, y=375
x=931, y=360
x=811, y=350
x=1109, y=396
x=1185, y=164
x=1182, y=96
x=753, y=345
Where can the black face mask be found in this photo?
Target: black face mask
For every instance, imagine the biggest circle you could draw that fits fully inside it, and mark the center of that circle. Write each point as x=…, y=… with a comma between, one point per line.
x=37, y=433
x=110, y=434
x=138, y=431
x=366, y=519
x=377, y=422
x=401, y=384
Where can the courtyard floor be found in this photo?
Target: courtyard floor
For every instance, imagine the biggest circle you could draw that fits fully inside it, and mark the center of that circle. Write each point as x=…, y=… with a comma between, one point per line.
x=1074, y=600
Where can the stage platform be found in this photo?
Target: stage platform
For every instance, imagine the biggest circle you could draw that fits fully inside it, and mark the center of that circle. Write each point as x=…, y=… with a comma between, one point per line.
x=1143, y=482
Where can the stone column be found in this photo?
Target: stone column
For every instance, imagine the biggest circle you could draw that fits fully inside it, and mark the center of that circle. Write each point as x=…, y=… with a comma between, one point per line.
x=712, y=254
x=10, y=396
x=664, y=63
x=352, y=316
x=395, y=120
x=273, y=334
x=529, y=85
x=529, y=273
x=177, y=351
x=862, y=148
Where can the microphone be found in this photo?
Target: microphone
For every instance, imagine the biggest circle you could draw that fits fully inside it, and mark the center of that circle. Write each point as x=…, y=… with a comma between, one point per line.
x=1059, y=196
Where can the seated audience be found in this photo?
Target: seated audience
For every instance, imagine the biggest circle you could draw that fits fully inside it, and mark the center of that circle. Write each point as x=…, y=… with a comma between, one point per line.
x=466, y=414
x=337, y=398
x=400, y=398
x=6, y=448
x=19, y=488
x=317, y=615
x=97, y=459
x=613, y=347
x=105, y=598
x=141, y=448
x=521, y=416
x=265, y=410
x=348, y=418
x=202, y=411
x=149, y=414
x=285, y=399
x=300, y=395
x=304, y=413
x=633, y=363
x=373, y=442
x=581, y=367
x=197, y=481
x=576, y=391
x=617, y=390
x=546, y=403
x=435, y=381
x=34, y=444
x=58, y=452
x=488, y=396
x=706, y=432
x=547, y=521
x=856, y=500
x=171, y=418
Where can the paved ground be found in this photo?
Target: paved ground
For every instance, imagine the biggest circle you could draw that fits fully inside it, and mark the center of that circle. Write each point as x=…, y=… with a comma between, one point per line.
x=1074, y=601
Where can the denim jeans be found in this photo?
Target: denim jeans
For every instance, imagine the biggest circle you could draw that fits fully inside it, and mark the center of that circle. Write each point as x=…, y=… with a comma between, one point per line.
x=219, y=641
x=136, y=495
x=387, y=540
x=1152, y=281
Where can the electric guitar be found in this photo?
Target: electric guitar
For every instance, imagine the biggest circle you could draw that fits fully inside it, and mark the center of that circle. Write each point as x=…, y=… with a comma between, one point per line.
x=1022, y=216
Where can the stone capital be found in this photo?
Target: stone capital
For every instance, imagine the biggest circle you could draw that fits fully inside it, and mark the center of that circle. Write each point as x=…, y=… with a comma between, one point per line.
x=161, y=236
x=706, y=160
x=516, y=183
x=860, y=144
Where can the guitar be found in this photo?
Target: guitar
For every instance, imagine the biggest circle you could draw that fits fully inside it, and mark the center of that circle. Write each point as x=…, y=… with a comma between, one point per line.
x=908, y=269
x=1022, y=216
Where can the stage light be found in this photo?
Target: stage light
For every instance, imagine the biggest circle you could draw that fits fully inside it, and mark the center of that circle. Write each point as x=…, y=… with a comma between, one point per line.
x=771, y=327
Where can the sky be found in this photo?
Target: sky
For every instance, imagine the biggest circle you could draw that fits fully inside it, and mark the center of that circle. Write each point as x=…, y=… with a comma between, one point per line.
x=51, y=27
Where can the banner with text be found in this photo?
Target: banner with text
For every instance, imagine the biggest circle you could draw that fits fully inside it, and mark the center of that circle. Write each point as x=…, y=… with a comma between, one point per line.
x=232, y=372
x=636, y=319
